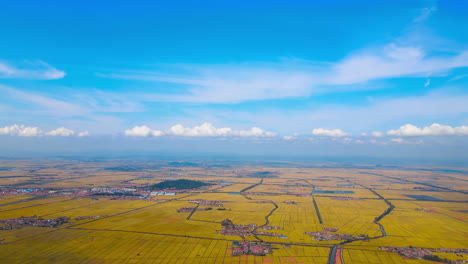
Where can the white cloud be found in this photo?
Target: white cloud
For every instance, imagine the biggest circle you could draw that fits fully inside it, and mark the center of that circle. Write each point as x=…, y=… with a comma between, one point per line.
x=377, y=134
x=435, y=129
x=208, y=130
x=398, y=140
x=204, y=130
x=37, y=70
x=20, y=130
x=143, y=131
x=83, y=134
x=329, y=132
x=358, y=141
x=61, y=131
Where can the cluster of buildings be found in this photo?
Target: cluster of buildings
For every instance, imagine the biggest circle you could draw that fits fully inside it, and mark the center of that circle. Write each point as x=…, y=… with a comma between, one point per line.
x=263, y=202
x=268, y=227
x=33, y=191
x=162, y=193
x=422, y=253
x=425, y=210
x=330, y=229
x=191, y=209
x=230, y=229
x=89, y=217
x=17, y=223
x=207, y=202
x=261, y=233
x=250, y=248
x=324, y=235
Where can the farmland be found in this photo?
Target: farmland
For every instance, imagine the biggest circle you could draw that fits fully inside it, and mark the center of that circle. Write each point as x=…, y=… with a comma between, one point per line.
x=114, y=212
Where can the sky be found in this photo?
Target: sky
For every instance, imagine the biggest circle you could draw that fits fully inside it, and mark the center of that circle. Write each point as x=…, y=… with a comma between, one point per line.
x=335, y=77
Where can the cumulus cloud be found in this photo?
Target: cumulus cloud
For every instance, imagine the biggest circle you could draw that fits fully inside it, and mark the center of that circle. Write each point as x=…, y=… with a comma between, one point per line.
x=83, y=134
x=61, y=131
x=28, y=131
x=358, y=141
x=20, y=130
x=329, y=132
x=143, y=131
x=435, y=129
x=204, y=130
x=208, y=130
x=398, y=140
x=37, y=70
x=377, y=134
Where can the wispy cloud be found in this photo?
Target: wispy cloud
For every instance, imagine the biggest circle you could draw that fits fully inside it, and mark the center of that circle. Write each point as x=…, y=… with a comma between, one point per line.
x=36, y=70
x=238, y=83
x=49, y=105
x=83, y=134
x=426, y=12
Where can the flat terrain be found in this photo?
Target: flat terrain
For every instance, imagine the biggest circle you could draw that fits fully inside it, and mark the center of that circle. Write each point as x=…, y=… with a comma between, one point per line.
x=278, y=213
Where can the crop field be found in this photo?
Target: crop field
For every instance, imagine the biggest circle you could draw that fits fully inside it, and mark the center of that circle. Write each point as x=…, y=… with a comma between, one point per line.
x=111, y=211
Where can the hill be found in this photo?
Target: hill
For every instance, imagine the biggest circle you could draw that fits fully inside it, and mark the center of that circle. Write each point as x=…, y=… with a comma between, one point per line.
x=180, y=184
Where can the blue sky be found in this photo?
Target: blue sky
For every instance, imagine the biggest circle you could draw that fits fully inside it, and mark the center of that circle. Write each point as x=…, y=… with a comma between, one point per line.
x=377, y=73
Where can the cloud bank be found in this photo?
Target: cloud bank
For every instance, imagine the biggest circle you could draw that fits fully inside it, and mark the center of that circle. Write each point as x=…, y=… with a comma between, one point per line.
x=29, y=131
x=435, y=129
x=203, y=130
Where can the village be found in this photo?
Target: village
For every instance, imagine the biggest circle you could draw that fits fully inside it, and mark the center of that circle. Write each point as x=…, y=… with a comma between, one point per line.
x=426, y=253
x=230, y=229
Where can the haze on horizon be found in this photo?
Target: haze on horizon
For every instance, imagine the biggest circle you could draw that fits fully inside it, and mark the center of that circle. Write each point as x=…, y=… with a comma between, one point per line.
x=334, y=78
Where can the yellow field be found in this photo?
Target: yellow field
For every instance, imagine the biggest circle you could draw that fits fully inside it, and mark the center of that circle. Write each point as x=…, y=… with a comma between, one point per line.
x=144, y=231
